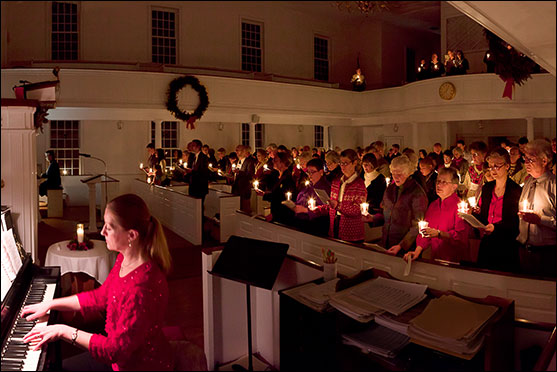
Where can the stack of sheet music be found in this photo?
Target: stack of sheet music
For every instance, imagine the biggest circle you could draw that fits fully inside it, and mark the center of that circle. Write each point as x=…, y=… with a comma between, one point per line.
x=378, y=340
x=314, y=295
x=362, y=302
x=400, y=323
x=452, y=325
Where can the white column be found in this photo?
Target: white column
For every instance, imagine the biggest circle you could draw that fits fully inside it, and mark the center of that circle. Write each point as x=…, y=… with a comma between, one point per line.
x=158, y=139
x=252, y=136
x=530, y=128
x=19, y=172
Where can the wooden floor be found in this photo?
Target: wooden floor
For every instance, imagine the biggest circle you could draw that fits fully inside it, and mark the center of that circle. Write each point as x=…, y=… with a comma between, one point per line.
x=185, y=307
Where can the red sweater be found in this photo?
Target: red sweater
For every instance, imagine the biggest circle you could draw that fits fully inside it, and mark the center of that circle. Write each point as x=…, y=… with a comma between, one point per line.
x=135, y=309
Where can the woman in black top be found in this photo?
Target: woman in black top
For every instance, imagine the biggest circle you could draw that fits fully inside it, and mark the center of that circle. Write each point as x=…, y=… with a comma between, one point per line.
x=498, y=210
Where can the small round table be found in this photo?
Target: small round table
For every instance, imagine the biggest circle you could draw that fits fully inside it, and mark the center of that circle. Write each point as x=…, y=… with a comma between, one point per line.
x=96, y=262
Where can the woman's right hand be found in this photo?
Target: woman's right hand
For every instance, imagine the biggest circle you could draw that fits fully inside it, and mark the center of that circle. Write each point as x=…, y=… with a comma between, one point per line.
x=36, y=310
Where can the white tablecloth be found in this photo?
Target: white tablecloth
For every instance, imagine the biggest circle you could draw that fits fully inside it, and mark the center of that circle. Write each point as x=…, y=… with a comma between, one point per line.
x=97, y=262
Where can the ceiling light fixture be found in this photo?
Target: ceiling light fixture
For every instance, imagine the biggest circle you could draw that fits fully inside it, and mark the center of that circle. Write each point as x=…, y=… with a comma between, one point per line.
x=366, y=7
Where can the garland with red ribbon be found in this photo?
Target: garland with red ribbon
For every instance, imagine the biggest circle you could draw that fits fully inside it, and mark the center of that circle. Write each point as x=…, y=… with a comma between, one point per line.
x=511, y=65
x=172, y=101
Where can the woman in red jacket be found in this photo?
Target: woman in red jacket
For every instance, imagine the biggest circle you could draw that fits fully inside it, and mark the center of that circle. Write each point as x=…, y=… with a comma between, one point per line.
x=347, y=193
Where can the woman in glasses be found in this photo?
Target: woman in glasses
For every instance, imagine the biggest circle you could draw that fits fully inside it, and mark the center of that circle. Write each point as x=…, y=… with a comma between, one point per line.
x=498, y=210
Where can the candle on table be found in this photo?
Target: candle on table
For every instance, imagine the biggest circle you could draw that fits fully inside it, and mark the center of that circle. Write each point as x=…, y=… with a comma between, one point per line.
x=80, y=233
x=288, y=195
x=311, y=204
x=364, y=207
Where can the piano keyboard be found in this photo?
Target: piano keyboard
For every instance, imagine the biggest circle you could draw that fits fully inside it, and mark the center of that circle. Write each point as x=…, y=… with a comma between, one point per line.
x=17, y=355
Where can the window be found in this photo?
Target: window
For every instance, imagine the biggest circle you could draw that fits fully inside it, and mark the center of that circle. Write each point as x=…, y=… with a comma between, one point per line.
x=321, y=58
x=64, y=42
x=163, y=37
x=153, y=132
x=318, y=136
x=251, y=47
x=169, y=140
x=245, y=134
x=64, y=140
x=259, y=136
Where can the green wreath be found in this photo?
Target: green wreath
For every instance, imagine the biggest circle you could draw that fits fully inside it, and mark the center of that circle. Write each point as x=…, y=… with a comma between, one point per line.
x=172, y=102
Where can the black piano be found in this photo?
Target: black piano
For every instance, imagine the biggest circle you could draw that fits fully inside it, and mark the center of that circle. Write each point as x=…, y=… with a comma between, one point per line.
x=32, y=284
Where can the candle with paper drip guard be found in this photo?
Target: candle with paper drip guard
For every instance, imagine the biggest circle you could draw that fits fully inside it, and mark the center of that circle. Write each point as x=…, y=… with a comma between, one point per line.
x=472, y=201
x=463, y=207
x=421, y=226
x=265, y=167
x=388, y=180
x=525, y=208
x=364, y=207
x=311, y=204
x=80, y=232
x=256, y=184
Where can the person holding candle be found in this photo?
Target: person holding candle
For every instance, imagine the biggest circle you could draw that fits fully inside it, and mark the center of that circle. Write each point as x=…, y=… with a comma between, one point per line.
x=134, y=297
x=307, y=219
x=347, y=194
x=446, y=233
x=299, y=171
x=152, y=160
x=538, y=244
x=375, y=184
x=436, y=68
x=244, y=173
x=498, y=210
x=404, y=204
x=517, y=171
x=279, y=184
x=199, y=172
x=474, y=178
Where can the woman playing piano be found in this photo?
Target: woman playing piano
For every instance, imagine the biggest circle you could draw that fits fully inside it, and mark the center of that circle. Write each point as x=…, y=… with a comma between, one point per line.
x=135, y=297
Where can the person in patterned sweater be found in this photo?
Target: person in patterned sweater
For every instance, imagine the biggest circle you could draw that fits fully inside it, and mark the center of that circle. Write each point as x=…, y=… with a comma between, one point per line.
x=347, y=193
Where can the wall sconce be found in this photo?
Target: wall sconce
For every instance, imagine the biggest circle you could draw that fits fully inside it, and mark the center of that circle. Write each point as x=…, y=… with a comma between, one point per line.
x=395, y=127
x=221, y=126
x=119, y=124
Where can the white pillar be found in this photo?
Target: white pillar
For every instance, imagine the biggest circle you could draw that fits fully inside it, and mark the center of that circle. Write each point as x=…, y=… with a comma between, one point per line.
x=158, y=137
x=530, y=128
x=252, y=136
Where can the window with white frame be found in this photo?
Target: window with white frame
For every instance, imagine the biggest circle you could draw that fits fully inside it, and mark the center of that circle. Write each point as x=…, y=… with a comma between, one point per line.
x=259, y=136
x=169, y=140
x=64, y=140
x=163, y=36
x=245, y=134
x=321, y=58
x=64, y=35
x=318, y=136
x=153, y=132
x=252, y=49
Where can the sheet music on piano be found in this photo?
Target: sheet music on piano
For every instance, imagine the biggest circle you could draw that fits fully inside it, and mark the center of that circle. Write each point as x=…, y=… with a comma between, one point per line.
x=10, y=259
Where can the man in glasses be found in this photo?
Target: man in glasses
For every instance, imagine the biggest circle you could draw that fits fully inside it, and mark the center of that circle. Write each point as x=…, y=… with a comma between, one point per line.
x=537, y=239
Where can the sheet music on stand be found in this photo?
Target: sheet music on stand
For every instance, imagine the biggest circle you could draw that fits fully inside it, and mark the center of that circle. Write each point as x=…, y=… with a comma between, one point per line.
x=394, y=296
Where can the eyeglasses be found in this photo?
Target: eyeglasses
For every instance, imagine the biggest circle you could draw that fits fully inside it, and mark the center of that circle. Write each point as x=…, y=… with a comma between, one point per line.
x=496, y=167
x=311, y=172
x=444, y=183
x=344, y=164
x=529, y=160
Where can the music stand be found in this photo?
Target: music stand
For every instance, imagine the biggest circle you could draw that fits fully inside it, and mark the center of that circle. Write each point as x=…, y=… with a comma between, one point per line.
x=254, y=263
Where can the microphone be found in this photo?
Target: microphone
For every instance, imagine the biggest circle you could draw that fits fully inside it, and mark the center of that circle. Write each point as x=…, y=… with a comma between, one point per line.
x=85, y=155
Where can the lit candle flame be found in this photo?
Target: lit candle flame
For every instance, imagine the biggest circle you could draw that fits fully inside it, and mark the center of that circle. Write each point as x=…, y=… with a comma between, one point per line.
x=298, y=166
x=233, y=166
x=185, y=165
x=288, y=195
x=525, y=207
x=255, y=184
x=265, y=167
x=210, y=165
x=181, y=161
x=311, y=204
x=422, y=225
x=80, y=233
x=307, y=183
x=65, y=172
x=364, y=207
x=388, y=180
x=463, y=207
x=140, y=165
x=472, y=201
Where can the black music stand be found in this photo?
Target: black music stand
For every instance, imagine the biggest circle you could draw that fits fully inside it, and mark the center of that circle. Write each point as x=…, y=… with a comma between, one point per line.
x=254, y=263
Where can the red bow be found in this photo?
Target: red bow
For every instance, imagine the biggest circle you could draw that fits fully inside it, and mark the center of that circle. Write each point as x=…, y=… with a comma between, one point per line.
x=509, y=85
x=190, y=122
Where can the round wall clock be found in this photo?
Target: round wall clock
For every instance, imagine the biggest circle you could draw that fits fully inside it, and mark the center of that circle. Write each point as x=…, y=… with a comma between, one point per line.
x=447, y=91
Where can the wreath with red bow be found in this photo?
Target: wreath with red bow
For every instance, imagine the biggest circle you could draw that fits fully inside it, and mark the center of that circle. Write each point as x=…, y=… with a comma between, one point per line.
x=172, y=101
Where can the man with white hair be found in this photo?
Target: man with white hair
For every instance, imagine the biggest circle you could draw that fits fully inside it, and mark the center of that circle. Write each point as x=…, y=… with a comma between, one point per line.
x=538, y=250
x=404, y=204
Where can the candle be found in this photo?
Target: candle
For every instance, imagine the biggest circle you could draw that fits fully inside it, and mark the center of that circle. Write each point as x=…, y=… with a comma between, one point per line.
x=220, y=172
x=64, y=172
x=472, y=201
x=148, y=179
x=265, y=167
x=210, y=165
x=488, y=55
x=255, y=184
x=311, y=204
x=233, y=166
x=150, y=170
x=298, y=166
x=288, y=195
x=80, y=233
x=525, y=207
x=186, y=165
x=422, y=225
x=463, y=207
x=388, y=180
x=307, y=183
x=364, y=207
x=181, y=161
x=140, y=165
